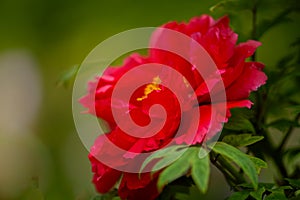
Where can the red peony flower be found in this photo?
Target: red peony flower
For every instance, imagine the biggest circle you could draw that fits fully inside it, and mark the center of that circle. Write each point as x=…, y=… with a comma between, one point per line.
x=239, y=78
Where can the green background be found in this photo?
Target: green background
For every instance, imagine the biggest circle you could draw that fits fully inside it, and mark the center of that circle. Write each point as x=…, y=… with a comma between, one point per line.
x=57, y=35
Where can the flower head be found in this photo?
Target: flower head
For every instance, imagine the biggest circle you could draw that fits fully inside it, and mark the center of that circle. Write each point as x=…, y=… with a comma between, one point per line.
x=238, y=77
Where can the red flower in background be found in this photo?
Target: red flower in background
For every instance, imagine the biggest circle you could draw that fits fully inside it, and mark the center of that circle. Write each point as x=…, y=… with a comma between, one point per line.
x=239, y=79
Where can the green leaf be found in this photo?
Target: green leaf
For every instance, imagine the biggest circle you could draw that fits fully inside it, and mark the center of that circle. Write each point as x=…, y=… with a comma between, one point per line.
x=297, y=193
x=169, y=158
x=177, y=169
x=285, y=60
x=295, y=109
x=265, y=25
x=283, y=124
x=242, y=195
x=167, y=155
x=200, y=172
x=267, y=186
x=258, y=194
x=258, y=163
x=241, y=140
x=295, y=183
x=292, y=153
x=232, y=5
x=67, y=78
x=240, y=158
x=239, y=123
x=190, y=160
x=281, y=188
x=276, y=196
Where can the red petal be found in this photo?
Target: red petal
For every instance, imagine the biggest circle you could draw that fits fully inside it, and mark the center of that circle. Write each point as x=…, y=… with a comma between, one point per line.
x=134, y=188
x=251, y=78
x=104, y=177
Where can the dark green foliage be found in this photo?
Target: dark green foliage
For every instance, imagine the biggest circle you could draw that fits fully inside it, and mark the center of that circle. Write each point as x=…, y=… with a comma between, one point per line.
x=275, y=114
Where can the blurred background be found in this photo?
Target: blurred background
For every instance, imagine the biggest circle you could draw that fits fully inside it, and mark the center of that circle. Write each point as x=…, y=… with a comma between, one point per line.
x=41, y=154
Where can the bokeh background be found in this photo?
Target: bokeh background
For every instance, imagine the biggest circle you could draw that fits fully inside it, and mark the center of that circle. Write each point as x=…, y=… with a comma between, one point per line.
x=41, y=155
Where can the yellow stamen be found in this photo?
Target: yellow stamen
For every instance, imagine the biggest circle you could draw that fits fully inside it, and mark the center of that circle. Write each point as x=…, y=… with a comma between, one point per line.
x=154, y=86
x=185, y=82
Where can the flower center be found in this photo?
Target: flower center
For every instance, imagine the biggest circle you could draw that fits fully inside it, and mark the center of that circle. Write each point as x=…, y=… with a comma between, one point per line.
x=154, y=86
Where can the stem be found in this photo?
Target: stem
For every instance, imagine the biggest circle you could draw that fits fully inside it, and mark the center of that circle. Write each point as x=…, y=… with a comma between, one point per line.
x=276, y=153
x=228, y=177
x=259, y=99
x=254, y=19
x=232, y=176
x=271, y=152
x=267, y=147
x=238, y=176
x=287, y=135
